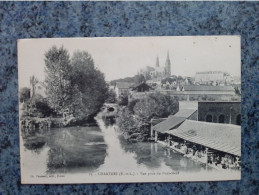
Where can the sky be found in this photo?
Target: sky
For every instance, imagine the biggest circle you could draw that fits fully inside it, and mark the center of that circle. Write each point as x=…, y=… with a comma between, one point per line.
x=120, y=57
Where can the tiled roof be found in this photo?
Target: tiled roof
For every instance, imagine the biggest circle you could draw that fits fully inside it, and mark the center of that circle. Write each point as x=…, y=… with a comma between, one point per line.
x=185, y=113
x=124, y=85
x=221, y=137
x=207, y=88
x=156, y=121
x=168, y=124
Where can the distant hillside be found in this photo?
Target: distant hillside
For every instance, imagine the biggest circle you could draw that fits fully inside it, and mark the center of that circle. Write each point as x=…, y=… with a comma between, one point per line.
x=135, y=79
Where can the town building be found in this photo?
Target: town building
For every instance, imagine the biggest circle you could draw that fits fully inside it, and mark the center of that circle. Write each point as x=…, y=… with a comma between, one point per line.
x=188, y=105
x=225, y=138
x=161, y=127
x=122, y=88
x=208, y=90
x=202, y=93
x=213, y=77
x=220, y=112
x=141, y=87
x=213, y=144
x=39, y=89
x=191, y=114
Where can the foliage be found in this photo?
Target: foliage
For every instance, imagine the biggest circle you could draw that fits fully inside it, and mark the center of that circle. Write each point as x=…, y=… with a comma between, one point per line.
x=126, y=120
x=37, y=106
x=111, y=97
x=33, y=83
x=156, y=105
x=59, y=90
x=139, y=78
x=134, y=119
x=74, y=86
x=127, y=80
x=123, y=100
x=169, y=80
x=42, y=107
x=90, y=83
x=24, y=94
x=132, y=104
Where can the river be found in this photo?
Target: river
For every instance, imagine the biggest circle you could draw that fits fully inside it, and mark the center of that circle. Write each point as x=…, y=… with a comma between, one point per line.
x=99, y=148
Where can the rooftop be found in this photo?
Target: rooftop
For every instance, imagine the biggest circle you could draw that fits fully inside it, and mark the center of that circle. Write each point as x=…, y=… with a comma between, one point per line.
x=209, y=72
x=222, y=137
x=168, y=124
x=185, y=113
x=124, y=85
x=207, y=88
x=143, y=84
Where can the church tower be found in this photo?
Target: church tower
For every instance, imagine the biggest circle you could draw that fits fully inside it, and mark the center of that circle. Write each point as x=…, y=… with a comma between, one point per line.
x=157, y=61
x=167, y=65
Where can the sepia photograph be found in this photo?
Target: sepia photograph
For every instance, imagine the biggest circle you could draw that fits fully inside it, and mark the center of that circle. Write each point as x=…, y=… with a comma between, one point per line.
x=129, y=109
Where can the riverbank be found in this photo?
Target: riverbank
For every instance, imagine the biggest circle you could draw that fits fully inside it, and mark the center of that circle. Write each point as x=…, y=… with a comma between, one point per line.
x=36, y=123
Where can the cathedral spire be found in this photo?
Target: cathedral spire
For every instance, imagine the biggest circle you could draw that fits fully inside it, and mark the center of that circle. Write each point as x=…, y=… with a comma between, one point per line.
x=167, y=58
x=157, y=61
x=168, y=65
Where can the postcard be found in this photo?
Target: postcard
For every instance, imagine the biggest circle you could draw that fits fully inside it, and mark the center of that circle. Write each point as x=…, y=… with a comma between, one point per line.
x=129, y=109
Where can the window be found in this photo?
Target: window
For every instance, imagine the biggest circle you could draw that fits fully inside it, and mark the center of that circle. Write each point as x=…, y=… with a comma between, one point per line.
x=238, y=120
x=209, y=118
x=222, y=118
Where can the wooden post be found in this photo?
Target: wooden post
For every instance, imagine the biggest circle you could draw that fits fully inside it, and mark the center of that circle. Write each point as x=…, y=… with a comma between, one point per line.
x=230, y=115
x=206, y=158
x=156, y=136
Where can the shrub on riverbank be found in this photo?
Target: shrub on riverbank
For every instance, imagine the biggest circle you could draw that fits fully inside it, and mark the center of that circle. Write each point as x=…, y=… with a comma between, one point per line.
x=37, y=106
x=134, y=119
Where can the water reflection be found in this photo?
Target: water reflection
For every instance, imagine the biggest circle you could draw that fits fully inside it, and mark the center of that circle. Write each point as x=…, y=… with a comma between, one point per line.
x=154, y=156
x=69, y=149
x=108, y=121
x=98, y=148
x=34, y=143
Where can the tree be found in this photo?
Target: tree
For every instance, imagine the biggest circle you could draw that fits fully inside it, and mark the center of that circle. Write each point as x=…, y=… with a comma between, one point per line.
x=58, y=70
x=123, y=100
x=33, y=81
x=42, y=107
x=156, y=105
x=111, y=97
x=90, y=82
x=134, y=119
x=75, y=88
x=237, y=91
x=168, y=79
x=139, y=78
x=24, y=94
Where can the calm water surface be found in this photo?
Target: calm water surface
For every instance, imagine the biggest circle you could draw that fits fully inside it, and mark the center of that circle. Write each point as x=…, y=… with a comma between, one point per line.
x=102, y=148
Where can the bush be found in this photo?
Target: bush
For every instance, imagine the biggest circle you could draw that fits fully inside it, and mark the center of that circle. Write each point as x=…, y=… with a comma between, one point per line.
x=24, y=94
x=37, y=107
x=111, y=97
x=43, y=109
x=156, y=105
x=123, y=100
x=134, y=119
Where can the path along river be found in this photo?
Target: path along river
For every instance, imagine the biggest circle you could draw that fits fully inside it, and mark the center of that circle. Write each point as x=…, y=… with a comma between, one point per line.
x=95, y=149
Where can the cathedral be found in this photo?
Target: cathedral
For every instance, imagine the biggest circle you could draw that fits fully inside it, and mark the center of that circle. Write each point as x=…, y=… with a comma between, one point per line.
x=158, y=72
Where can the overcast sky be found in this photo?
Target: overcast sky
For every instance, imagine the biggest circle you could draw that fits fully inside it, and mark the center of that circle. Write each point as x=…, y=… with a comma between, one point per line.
x=123, y=57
